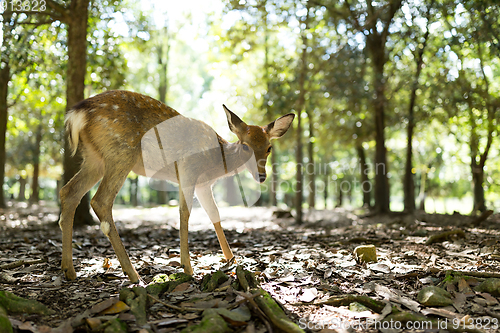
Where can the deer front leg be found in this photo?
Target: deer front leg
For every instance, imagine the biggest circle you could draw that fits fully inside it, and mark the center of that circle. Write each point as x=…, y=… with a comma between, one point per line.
x=185, y=204
x=206, y=198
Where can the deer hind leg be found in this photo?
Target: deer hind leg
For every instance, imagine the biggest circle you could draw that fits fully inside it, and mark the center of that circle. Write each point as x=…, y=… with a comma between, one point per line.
x=206, y=198
x=114, y=176
x=70, y=195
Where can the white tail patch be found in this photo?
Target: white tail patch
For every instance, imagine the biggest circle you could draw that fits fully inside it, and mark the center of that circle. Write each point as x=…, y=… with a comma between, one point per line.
x=75, y=122
x=105, y=227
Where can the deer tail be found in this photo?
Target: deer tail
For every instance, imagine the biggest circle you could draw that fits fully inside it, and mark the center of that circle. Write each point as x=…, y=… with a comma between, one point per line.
x=75, y=121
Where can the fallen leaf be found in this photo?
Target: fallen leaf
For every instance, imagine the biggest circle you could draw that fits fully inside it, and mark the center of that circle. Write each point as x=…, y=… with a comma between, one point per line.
x=308, y=295
x=107, y=263
x=182, y=287
x=174, y=263
x=116, y=308
x=103, y=305
x=93, y=323
x=28, y=326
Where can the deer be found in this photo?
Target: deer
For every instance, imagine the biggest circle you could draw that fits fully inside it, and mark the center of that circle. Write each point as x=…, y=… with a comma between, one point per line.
x=120, y=131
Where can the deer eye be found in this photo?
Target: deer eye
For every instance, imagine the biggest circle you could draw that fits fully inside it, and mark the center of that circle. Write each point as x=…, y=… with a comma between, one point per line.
x=245, y=147
x=269, y=149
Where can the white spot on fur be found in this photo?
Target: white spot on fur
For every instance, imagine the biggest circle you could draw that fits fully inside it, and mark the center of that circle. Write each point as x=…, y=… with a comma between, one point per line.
x=103, y=105
x=105, y=227
x=116, y=107
x=75, y=121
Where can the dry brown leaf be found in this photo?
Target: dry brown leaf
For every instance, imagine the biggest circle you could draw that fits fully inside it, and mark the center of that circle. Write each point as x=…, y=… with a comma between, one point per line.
x=103, y=305
x=106, y=264
x=182, y=287
x=116, y=308
x=93, y=323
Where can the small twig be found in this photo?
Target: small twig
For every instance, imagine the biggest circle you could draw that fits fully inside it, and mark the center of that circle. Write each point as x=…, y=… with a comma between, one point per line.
x=222, y=289
x=257, y=309
x=493, y=314
x=22, y=262
x=246, y=299
x=175, y=307
x=485, y=275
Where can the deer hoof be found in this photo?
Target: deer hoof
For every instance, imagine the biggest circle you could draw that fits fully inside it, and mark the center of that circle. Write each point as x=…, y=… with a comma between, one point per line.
x=69, y=273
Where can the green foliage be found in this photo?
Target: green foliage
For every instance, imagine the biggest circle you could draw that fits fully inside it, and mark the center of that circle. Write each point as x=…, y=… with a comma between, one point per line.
x=248, y=56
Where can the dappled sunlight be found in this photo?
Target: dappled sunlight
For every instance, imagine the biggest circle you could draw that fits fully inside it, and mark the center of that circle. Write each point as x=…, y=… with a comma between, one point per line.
x=232, y=218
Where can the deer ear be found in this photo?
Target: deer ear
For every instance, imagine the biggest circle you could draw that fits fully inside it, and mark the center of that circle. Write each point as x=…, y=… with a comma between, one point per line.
x=278, y=128
x=236, y=125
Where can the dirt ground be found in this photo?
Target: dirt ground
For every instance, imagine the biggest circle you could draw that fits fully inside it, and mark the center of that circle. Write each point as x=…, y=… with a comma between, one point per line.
x=307, y=269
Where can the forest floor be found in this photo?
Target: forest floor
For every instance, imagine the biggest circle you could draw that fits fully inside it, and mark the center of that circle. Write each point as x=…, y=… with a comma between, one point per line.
x=310, y=270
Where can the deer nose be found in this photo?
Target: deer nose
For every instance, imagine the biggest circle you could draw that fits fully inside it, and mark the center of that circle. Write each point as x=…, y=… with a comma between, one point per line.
x=262, y=177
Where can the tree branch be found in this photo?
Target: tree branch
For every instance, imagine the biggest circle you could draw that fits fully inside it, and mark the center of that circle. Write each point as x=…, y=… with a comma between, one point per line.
x=63, y=11
x=39, y=23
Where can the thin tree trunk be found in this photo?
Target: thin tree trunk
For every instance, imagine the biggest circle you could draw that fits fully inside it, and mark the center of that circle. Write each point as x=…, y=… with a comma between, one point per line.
x=478, y=183
x=310, y=169
x=35, y=191
x=325, y=193
x=274, y=167
x=365, y=183
x=274, y=179
x=340, y=197
x=162, y=196
x=5, y=76
x=134, y=190
x=423, y=195
x=4, y=87
x=75, y=86
x=299, y=196
x=22, y=189
x=478, y=167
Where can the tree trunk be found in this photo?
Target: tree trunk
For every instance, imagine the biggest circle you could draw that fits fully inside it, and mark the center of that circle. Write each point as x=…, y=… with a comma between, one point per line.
x=325, y=193
x=409, y=182
x=340, y=197
x=477, y=167
x=274, y=178
x=376, y=40
x=134, y=190
x=4, y=87
x=299, y=195
x=5, y=76
x=75, y=86
x=423, y=195
x=35, y=191
x=163, y=91
x=310, y=168
x=478, y=183
x=365, y=183
x=381, y=181
x=22, y=189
